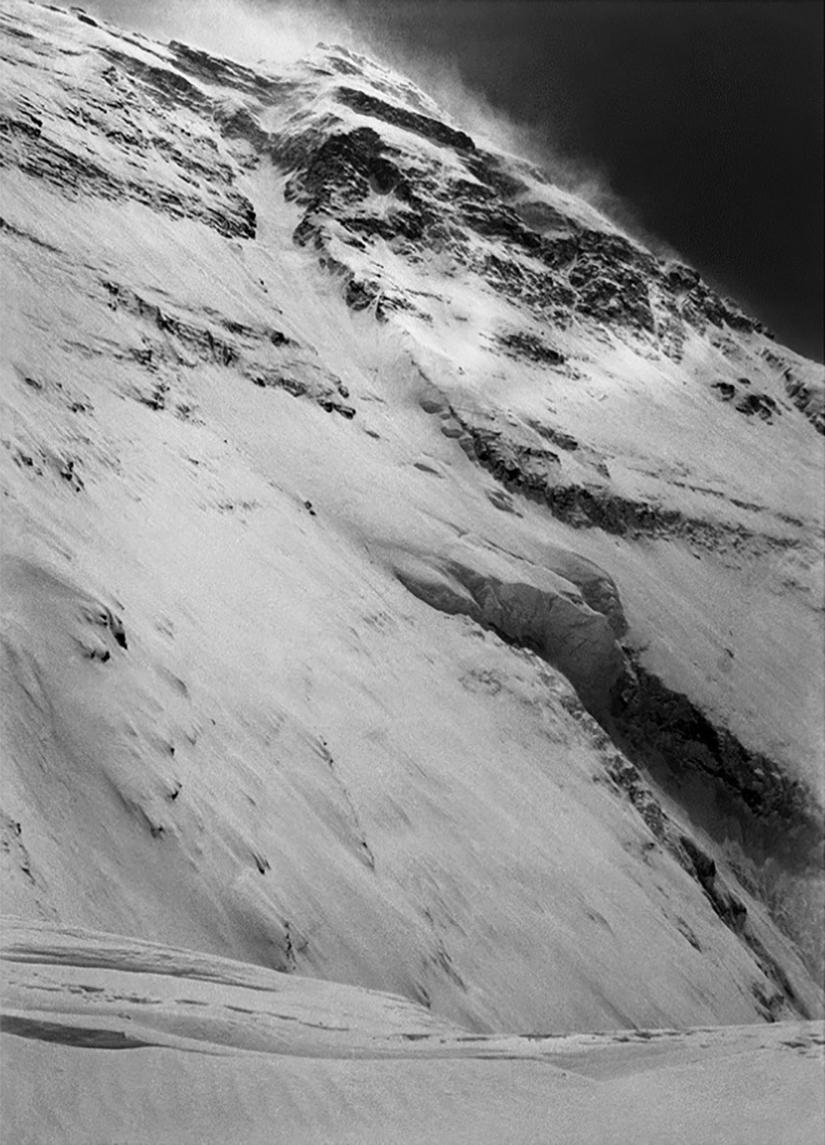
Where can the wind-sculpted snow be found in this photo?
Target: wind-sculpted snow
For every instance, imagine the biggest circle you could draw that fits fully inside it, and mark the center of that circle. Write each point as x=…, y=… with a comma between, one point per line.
x=409, y=581
x=179, y=1046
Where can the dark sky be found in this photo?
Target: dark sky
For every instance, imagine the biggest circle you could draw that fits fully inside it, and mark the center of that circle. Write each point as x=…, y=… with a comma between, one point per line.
x=704, y=116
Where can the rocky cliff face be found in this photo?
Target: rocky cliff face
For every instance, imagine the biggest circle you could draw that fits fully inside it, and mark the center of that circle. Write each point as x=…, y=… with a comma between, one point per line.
x=410, y=580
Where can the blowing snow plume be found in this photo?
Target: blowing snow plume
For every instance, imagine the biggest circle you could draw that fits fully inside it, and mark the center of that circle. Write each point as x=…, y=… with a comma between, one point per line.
x=281, y=32
x=245, y=30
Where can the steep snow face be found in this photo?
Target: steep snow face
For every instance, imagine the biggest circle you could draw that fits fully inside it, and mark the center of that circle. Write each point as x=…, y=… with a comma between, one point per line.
x=373, y=512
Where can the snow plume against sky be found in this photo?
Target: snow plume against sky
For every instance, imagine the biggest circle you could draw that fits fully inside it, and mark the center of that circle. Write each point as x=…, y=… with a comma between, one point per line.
x=247, y=30
x=696, y=121
x=284, y=30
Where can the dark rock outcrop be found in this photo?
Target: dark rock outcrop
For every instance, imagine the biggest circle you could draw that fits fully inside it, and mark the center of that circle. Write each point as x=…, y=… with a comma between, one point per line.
x=660, y=726
x=432, y=129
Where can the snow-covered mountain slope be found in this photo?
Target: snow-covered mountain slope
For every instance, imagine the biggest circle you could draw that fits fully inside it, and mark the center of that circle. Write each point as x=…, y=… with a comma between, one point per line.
x=221, y=1051
x=409, y=580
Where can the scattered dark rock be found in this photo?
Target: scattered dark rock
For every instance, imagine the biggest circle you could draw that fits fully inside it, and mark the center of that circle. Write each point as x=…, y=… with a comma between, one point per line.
x=774, y=972
x=769, y=1003
x=239, y=123
x=333, y=406
x=703, y=865
x=557, y=437
x=199, y=339
x=228, y=73
x=627, y=777
x=681, y=278
x=535, y=474
x=167, y=85
x=343, y=165
x=155, y=400
x=25, y=460
x=761, y=404
x=115, y=625
x=7, y=229
x=24, y=124
x=68, y=472
x=525, y=345
x=805, y=395
x=432, y=129
x=489, y=170
x=360, y=294
x=688, y=933
x=73, y=173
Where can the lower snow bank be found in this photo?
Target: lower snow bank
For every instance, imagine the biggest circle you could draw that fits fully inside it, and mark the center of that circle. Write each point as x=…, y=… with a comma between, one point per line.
x=222, y=1051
